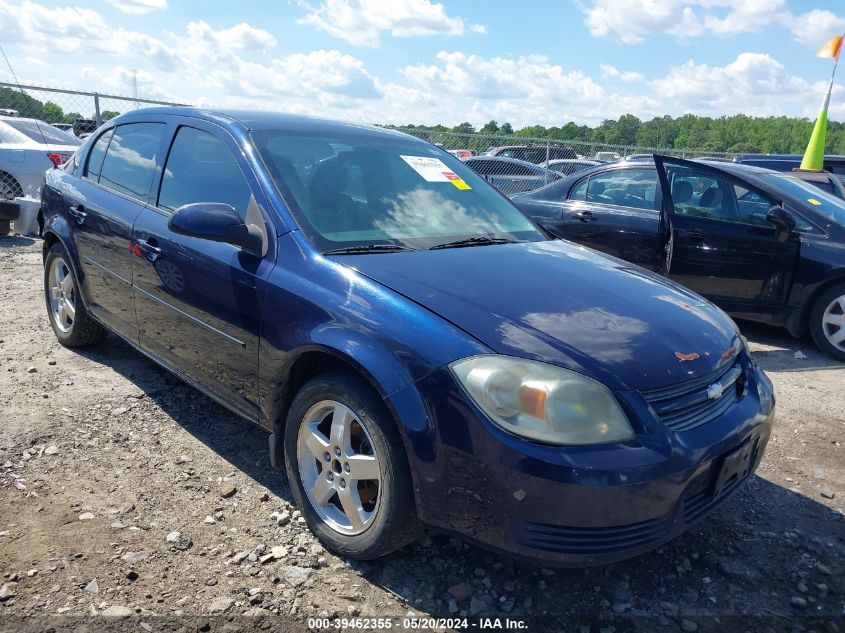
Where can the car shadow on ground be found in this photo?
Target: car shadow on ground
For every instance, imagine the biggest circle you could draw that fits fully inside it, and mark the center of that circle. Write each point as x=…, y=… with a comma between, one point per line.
x=242, y=444
x=11, y=241
x=781, y=349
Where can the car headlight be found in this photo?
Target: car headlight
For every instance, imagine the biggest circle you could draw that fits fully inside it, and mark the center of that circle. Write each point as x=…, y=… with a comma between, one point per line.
x=543, y=402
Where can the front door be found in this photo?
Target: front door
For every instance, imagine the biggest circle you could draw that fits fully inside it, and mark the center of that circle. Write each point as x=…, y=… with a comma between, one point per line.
x=723, y=246
x=114, y=188
x=198, y=302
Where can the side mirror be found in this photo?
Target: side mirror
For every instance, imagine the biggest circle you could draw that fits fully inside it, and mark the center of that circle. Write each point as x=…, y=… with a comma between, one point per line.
x=217, y=222
x=781, y=218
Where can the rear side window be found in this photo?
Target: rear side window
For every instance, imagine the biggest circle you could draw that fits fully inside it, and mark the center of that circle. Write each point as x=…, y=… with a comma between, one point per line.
x=131, y=159
x=200, y=168
x=98, y=153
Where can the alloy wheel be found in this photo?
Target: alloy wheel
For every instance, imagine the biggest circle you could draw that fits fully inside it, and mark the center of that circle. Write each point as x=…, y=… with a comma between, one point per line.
x=62, y=295
x=338, y=467
x=833, y=323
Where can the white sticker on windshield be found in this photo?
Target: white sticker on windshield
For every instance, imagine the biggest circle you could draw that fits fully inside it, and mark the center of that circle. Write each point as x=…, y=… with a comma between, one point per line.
x=434, y=170
x=431, y=169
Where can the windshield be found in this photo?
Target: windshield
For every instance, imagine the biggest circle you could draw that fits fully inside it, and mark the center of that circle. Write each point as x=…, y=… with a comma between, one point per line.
x=358, y=188
x=43, y=132
x=810, y=196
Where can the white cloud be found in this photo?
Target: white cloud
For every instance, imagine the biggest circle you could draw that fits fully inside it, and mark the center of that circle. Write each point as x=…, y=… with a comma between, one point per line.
x=241, y=37
x=522, y=90
x=139, y=7
x=754, y=84
x=815, y=27
x=632, y=21
x=611, y=72
x=361, y=22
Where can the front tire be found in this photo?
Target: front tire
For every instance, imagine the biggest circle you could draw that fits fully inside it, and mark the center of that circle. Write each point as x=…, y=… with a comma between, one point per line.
x=827, y=322
x=348, y=469
x=69, y=319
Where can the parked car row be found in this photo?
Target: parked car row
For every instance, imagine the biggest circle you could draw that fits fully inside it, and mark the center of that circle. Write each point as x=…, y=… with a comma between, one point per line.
x=419, y=350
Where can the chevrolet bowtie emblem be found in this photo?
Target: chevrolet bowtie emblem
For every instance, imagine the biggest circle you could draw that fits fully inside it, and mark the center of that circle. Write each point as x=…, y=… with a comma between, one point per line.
x=715, y=390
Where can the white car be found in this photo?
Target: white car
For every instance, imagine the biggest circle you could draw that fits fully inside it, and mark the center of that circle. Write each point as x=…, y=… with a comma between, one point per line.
x=28, y=148
x=567, y=166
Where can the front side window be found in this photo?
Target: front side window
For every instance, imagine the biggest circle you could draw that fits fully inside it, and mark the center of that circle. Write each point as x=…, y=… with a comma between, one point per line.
x=130, y=160
x=712, y=196
x=633, y=188
x=356, y=188
x=200, y=168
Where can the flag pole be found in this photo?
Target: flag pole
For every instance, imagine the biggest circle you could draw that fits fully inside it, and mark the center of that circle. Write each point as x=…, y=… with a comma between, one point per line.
x=814, y=154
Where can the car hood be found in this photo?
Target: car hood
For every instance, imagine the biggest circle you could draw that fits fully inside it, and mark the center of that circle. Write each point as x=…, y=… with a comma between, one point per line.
x=562, y=303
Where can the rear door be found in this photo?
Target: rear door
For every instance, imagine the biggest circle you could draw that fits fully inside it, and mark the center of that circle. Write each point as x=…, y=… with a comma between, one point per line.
x=723, y=247
x=615, y=211
x=198, y=301
x=114, y=188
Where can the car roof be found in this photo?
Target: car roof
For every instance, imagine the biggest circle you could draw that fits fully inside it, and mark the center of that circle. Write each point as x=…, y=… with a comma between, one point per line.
x=501, y=159
x=266, y=120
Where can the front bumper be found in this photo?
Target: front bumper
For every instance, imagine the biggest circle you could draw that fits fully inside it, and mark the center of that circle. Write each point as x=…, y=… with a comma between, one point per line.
x=578, y=506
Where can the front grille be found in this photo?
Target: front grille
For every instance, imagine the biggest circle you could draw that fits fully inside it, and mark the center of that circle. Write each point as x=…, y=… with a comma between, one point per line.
x=688, y=405
x=577, y=540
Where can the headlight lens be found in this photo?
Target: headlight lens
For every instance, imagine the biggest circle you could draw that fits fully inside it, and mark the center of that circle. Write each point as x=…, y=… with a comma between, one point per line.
x=543, y=402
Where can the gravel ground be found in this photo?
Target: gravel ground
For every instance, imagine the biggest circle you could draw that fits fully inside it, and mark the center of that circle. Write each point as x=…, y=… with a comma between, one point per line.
x=125, y=493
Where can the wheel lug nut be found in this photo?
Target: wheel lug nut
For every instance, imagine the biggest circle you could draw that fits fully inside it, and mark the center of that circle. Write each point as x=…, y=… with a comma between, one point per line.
x=326, y=457
x=336, y=451
x=346, y=467
x=343, y=483
x=330, y=476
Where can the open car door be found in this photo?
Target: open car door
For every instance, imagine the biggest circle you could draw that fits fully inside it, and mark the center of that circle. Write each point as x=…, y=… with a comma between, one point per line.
x=724, y=238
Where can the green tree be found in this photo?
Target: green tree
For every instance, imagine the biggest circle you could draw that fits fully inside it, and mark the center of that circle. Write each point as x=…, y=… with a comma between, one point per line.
x=107, y=115
x=25, y=105
x=52, y=112
x=491, y=127
x=464, y=128
x=506, y=128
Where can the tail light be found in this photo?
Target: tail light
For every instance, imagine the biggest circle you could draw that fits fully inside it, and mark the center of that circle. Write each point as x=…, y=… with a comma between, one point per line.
x=57, y=159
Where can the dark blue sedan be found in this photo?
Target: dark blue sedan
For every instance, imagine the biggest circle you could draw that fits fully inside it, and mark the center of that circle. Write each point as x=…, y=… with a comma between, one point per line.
x=416, y=348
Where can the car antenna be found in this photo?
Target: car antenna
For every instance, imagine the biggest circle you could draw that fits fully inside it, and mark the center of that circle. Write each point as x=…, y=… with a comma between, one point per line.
x=18, y=83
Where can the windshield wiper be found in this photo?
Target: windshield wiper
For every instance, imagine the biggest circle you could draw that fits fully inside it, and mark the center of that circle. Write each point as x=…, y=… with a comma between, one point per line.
x=481, y=240
x=369, y=248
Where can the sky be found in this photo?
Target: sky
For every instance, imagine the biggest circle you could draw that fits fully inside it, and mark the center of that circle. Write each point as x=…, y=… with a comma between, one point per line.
x=544, y=62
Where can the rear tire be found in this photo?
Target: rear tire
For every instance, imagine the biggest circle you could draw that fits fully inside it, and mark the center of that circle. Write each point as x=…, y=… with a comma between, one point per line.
x=368, y=472
x=827, y=322
x=71, y=323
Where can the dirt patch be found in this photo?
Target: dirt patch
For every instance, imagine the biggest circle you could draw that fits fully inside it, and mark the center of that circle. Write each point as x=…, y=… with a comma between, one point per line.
x=103, y=456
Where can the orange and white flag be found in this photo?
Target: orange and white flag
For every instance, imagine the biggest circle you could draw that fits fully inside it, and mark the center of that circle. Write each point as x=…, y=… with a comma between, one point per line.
x=831, y=48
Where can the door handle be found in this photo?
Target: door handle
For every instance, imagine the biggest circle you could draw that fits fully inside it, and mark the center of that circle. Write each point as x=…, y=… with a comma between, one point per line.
x=149, y=247
x=77, y=213
x=698, y=234
x=585, y=216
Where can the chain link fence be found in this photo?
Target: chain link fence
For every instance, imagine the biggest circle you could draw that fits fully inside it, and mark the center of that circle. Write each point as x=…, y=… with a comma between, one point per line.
x=74, y=110
x=512, y=163
x=515, y=163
